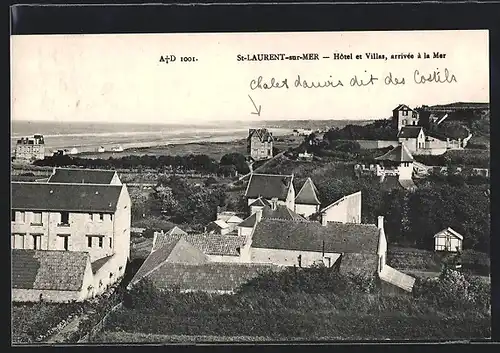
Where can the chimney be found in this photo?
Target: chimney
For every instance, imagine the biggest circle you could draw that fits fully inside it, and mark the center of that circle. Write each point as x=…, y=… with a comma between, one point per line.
x=324, y=221
x=380, y=222
x=53, y=170
x=258, y=214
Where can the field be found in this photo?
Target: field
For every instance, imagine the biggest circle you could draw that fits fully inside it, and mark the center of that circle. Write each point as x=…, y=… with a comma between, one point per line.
x=213, y=149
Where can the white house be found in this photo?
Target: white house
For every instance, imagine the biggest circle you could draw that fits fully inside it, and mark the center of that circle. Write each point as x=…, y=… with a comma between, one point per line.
x=345, y=210
x=56, y=224
x=412, y=137
x=448, y=240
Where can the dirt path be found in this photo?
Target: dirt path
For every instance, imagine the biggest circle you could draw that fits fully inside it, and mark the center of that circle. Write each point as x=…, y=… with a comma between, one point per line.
x=65, y=333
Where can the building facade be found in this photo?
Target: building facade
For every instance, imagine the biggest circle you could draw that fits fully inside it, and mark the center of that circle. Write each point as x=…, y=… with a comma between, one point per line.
x=30, y=149
x=345, y=210
x=260, y=144
x=275, y=189
x=74, y=218
x=413, y=137
x=403, y=115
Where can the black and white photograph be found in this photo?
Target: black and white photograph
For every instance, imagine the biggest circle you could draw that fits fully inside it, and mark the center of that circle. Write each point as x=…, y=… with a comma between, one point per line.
x=250, y=187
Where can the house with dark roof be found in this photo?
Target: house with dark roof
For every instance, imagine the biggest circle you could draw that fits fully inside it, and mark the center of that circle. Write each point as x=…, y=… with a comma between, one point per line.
x=347, y=209
x=258, y=204
x=260, y=144
x=181, y=265
x=307, y=201
x=218, y=227
x=413, y=137
x=398, y=161
x=84, y=176
x=275, y=189
x=350, y=247
x=403, y=115
x=75, y=217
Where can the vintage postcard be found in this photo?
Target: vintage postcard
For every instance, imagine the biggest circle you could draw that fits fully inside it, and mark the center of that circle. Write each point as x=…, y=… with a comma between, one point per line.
x=250, y=187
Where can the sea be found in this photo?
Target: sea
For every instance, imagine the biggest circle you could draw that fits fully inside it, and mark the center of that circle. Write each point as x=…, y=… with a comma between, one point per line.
x=89, y=136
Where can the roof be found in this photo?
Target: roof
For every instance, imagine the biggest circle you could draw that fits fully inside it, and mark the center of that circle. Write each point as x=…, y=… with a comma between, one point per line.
x=263, y=134
x=249, y=222
x=225, y=215
x=260, y=202
x=210, y=244
x=234, y=219
x=449, y=231
x=308, y=194
x=409, y=132
x=65, y=197
x=309, y=236
x=396, y=278
x=174, y=250
x=399, y=153
x=210, y=277
x=220, y=223
x=78, y=175
x=402, y=107
x=160, y=238
x=269, y=186
x=97, y=264
x=281, y=212
x=48, y=269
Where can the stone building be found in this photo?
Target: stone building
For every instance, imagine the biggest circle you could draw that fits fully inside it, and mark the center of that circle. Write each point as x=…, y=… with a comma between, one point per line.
x=260, y=144
x=29, y=149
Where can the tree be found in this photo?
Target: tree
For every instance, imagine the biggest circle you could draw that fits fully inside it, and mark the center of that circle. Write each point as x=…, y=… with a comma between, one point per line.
x=237, y=160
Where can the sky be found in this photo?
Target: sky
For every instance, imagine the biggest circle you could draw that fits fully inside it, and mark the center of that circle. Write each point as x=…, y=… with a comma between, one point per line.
x=120, y=78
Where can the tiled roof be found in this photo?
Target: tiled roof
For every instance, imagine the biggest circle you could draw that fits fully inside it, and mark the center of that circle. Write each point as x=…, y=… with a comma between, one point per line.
x=161, y=238
x=398, y=154
x=409, y=132
x=65, y=197
x=210, y=244
x=269, y=186
x=308, y=194
x=450, y=231
x=309, y=236
x=281, y=212
x=263, y=134
x=76, y=175
x=249, y=222
x=208, y=277
x=176, y=251
x=97, y=264
x=48, y=269
x=260, y=202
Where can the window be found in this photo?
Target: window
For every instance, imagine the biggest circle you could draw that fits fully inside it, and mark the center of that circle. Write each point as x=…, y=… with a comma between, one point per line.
x=101, y=217
x=110, y=242
x=64, y=238
x=405, y=112
x=13, y=215
x=111, y=216
x=300, y=260
x=22, y=216
x=89, y=242
x=65, y=218
x=100, y=242
x=91, y=217
x=37, y=241
x=37, y=218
